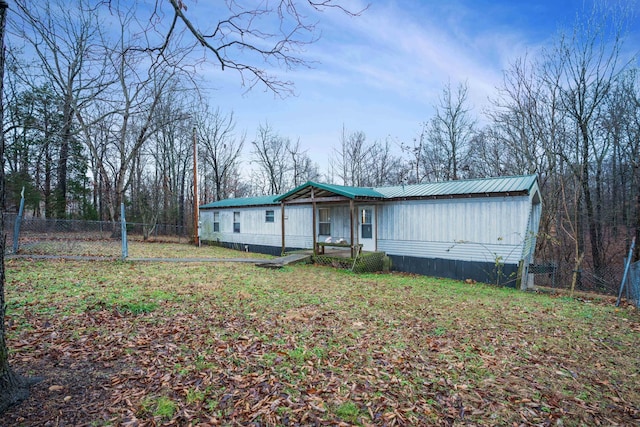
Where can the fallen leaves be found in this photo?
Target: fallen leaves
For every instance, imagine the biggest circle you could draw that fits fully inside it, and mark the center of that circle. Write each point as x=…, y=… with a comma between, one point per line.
x=308, y=348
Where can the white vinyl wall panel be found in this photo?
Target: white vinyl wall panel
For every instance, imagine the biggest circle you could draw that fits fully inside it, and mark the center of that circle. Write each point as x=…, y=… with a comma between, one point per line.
x=298, y=222
x=206, y=225
x=298, y=226
x=255, y=230
x=490, y=220
x=469, y=229
x=508, y=254
x=340, y=222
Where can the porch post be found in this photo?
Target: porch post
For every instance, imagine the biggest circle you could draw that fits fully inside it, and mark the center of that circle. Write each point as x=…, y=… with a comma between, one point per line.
x=352, y=215
x=313, y=216
x=282, y=227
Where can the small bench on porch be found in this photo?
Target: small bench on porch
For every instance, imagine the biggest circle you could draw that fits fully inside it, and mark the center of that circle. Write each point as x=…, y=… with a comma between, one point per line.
x=320, y=247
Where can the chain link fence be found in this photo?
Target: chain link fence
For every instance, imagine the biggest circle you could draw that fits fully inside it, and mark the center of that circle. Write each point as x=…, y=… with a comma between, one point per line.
x=9, y=231
x=560, y=274
x=168, y=233
x=63, y=237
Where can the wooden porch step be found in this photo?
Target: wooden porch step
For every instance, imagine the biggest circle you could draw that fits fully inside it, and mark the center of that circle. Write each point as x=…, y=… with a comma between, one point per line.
x=285, y=260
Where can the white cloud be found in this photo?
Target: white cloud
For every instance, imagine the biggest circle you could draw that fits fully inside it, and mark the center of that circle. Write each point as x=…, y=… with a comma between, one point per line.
x=382, y=72
x=411, y=54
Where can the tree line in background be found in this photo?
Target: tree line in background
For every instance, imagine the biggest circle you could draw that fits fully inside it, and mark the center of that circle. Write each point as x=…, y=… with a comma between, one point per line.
x=99, y=118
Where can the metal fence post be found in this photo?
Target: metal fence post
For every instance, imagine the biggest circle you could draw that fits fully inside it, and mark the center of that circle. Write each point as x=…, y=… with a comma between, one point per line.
x=626, y=270
x=123, y=227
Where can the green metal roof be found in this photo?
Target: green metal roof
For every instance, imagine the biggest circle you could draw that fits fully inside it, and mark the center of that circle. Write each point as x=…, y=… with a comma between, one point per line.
x=241, y=202
x=500, y=185
x=321, y=190
x=464, y=187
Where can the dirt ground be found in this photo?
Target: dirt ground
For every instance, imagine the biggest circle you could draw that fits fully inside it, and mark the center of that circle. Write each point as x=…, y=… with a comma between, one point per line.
x=69, y=394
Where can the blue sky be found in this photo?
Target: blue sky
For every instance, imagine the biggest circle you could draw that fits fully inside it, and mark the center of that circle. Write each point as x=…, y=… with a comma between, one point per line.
x=382, y=72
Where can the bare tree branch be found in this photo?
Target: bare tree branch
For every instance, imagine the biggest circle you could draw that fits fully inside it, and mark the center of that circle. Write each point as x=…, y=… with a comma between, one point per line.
x=242, y=42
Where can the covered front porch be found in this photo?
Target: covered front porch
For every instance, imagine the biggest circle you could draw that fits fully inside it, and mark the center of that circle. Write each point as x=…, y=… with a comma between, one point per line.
x=343, y=219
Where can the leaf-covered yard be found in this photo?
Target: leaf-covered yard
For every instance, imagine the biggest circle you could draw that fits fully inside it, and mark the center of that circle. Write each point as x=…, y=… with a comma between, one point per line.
x=234, y=344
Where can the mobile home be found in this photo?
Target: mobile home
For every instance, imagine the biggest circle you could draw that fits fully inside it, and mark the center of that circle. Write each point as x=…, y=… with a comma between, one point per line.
x=479, y=229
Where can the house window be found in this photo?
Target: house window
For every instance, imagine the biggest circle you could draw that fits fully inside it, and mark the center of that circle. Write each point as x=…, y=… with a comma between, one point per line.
x=216, y=222
x=367, y=229
x=324, y=221
x=236, y=222
x=269, y=216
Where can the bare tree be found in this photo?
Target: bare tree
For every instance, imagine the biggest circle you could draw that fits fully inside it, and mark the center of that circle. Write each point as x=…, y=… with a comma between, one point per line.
x=141, y=80
x=351, y=157
x=415, y=173
x=589, y=62
x=271, y=156
x=165, y=162
x=621, y=122
x=527, y=120
x=633, y=150
x=302, y=167
x=488, y=155
x=565, y=115
x=280, y=164
x=528, y=129
x=65, y=41
x=385, y=167
x=220, y=149
x=450, y=131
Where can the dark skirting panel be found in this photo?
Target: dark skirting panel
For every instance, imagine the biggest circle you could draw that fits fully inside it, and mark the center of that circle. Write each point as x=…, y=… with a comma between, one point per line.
x=259, y=249
x=485, y=272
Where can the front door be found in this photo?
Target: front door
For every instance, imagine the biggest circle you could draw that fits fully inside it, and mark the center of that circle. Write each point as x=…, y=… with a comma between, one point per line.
x=367, y=228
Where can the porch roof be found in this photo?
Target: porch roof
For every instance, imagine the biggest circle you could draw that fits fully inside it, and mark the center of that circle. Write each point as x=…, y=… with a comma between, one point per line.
x=320, y=190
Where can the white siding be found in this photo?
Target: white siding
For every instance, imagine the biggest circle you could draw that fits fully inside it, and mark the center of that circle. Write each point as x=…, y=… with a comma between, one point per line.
x=255, y=230
x=467, y=229
x=298, y=226
x=508, y=254
x=340, y=222
x=473, y=229
x=206, y=224
x=253, y=226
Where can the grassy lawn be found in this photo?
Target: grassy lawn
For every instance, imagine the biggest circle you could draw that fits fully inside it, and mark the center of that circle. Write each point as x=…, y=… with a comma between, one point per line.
x=221, y=343
x=136, y=247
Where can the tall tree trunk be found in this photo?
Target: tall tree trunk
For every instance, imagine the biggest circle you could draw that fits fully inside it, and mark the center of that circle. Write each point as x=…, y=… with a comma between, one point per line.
x=592, y=221
x=636, y=255
x=181, y=223
x=63, y=161
x=48, y=202
x=579, y=233
x=594, y=235
x=13, y=387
